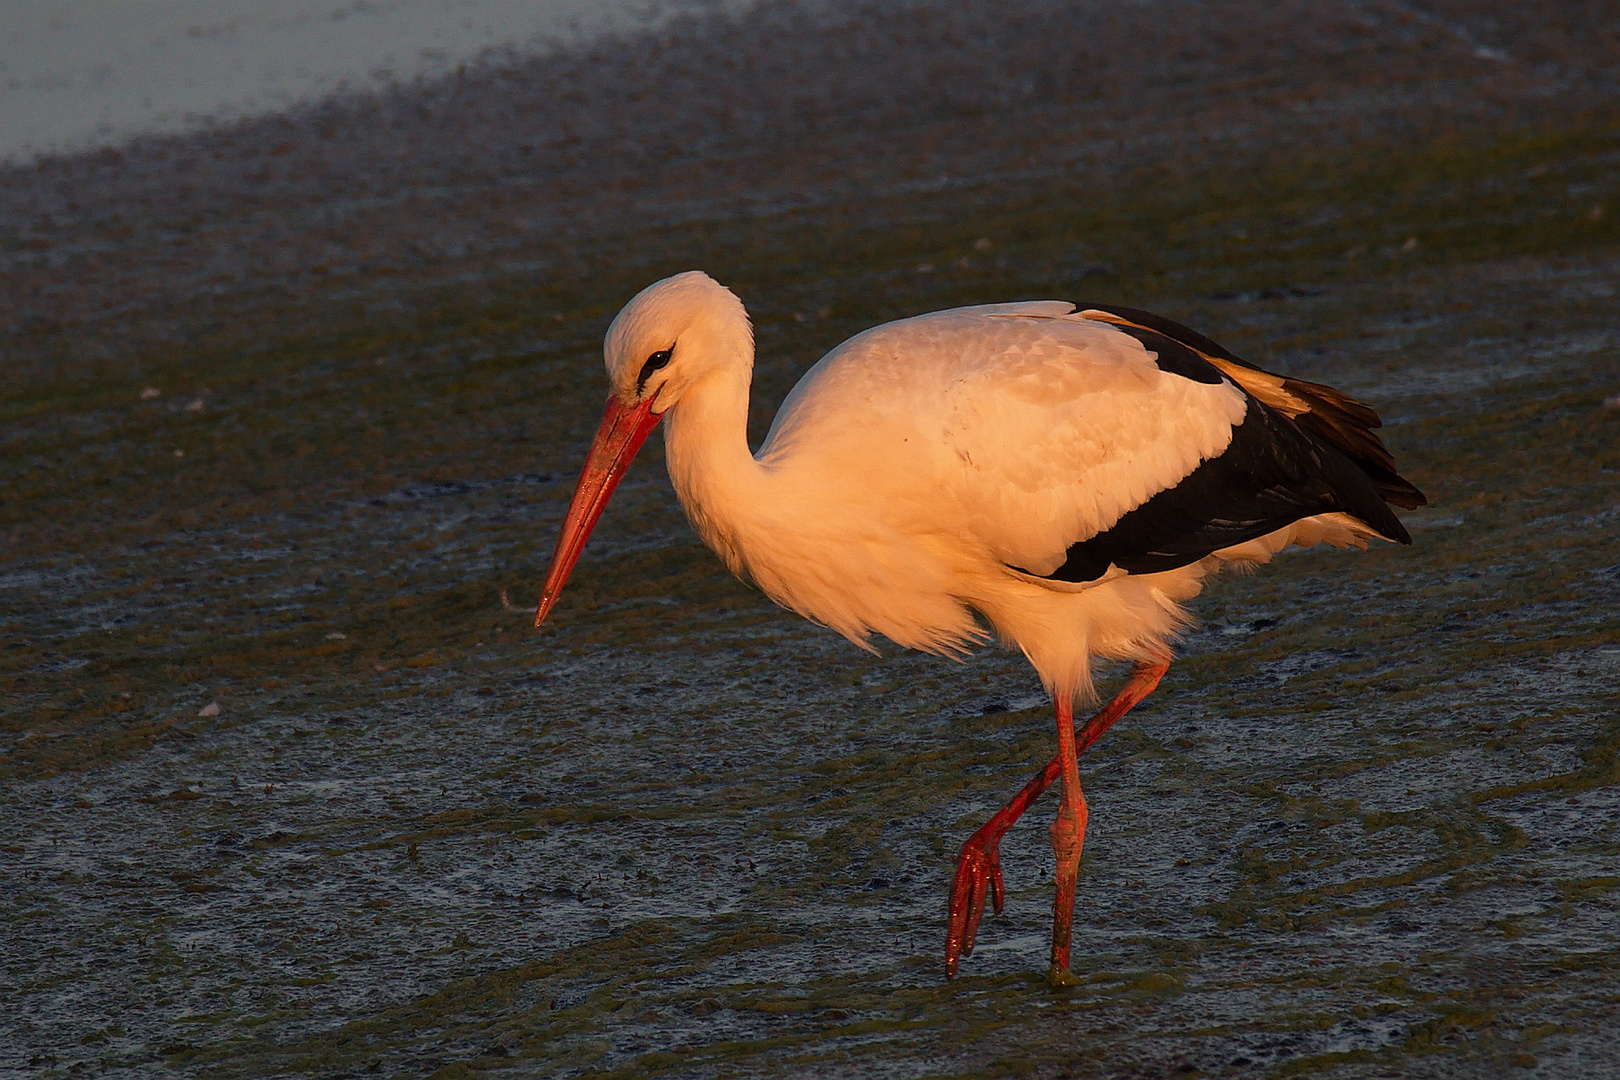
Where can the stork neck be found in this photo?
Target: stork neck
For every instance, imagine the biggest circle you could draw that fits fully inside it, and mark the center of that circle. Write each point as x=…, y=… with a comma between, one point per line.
x=706, y=446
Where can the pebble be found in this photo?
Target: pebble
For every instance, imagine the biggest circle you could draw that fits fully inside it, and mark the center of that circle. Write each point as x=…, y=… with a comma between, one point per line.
x=210, y=709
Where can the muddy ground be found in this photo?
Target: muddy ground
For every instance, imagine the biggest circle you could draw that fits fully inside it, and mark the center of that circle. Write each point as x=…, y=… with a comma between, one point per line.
x=287, y=790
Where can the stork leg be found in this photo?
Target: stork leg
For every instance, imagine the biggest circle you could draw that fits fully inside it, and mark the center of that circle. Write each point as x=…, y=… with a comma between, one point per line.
x=978, y=867
x=1068, y=837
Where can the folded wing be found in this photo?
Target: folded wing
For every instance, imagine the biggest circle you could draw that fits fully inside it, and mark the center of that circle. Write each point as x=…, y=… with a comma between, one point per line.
x=1068, y=442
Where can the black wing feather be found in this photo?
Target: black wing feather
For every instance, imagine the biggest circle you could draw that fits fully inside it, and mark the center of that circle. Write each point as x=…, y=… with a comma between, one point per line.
x=1332, y=415
x=1271, y=475
x=1276, y=470
x=1173, y=356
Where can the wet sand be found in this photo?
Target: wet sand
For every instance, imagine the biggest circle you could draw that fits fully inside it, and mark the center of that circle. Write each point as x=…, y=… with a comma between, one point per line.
x=1368, y=826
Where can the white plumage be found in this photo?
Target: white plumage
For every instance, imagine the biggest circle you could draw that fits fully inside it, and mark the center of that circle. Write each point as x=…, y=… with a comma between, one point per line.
x=917, y=464
x=941, y=471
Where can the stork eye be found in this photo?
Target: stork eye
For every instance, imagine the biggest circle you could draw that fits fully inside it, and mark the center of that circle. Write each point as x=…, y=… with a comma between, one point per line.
x=654, y=362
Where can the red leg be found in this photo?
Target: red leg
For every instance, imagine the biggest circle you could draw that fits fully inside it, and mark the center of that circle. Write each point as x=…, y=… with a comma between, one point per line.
x=1068, y=837
x=978, y=867
x=1069, y=828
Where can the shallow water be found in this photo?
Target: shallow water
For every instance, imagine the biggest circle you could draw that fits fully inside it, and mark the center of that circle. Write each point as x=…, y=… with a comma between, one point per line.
x=94, y=73
x=1369, y=821
x=1368, y=826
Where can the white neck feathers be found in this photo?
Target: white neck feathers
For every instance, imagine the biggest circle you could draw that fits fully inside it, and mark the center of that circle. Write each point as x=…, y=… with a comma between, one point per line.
x=706, y=445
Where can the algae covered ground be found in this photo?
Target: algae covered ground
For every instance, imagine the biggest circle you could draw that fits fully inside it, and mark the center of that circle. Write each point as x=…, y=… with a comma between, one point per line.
x=288, y=790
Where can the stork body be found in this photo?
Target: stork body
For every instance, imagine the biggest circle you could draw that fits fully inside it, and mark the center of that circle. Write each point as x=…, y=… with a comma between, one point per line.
x=1069, y=476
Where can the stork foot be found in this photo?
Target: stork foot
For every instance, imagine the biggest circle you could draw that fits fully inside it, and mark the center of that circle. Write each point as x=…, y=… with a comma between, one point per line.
x=1062, y=976
x=978, y=876
x=978, y=868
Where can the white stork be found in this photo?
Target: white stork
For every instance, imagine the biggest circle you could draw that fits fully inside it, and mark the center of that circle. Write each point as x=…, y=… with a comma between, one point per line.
x=1069, y=475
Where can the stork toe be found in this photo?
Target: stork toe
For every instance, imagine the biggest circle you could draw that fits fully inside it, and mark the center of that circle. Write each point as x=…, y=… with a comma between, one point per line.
x=978, y=877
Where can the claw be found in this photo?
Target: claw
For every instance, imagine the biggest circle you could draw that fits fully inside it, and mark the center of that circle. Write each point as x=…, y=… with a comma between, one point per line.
x=978, y=877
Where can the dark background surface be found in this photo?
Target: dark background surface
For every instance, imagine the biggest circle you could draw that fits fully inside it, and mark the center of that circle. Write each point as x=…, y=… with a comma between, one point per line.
x=288, y=404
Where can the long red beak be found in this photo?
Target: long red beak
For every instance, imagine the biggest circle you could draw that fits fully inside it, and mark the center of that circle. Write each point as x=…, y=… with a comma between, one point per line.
x=624, y=428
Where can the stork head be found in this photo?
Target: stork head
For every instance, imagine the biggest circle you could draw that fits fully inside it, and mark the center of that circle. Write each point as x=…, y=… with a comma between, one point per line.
x=668, y=338
x=670, y=335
